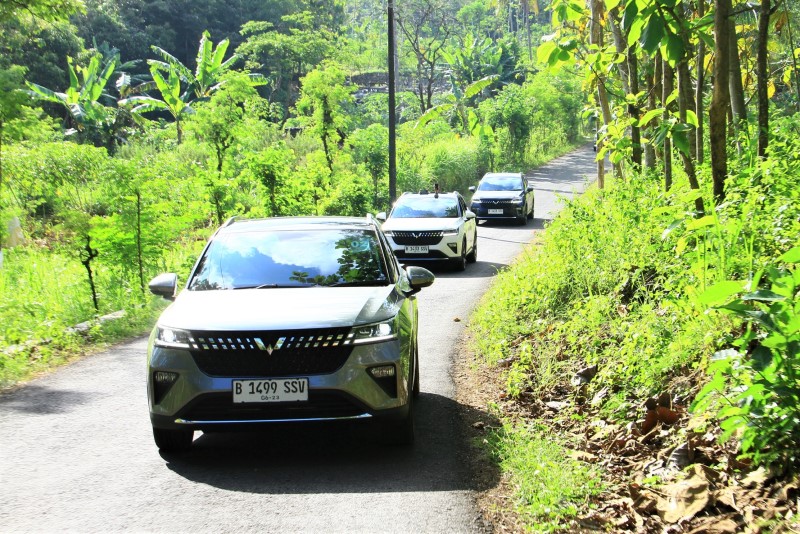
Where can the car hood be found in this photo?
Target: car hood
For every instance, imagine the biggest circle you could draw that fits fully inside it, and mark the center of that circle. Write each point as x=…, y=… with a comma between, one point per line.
x=496, y=195
x=420, y=224
x=281, y=308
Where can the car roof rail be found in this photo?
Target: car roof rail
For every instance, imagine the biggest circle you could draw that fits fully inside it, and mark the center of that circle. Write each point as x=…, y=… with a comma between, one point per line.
x=230, y=221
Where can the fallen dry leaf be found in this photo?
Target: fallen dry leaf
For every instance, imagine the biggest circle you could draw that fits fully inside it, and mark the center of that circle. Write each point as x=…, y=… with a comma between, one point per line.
x=684, y=499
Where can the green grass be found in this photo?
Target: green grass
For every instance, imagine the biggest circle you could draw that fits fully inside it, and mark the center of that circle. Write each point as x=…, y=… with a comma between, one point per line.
x=622, y=280
x=550, y=486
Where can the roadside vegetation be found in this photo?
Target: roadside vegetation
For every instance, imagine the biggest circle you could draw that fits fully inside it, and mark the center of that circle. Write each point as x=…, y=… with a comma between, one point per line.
x=128, y=134
x=651, y=337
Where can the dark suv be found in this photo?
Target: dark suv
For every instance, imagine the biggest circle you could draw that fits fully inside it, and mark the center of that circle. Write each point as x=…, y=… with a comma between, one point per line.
x=287, y=320
x=503, y=195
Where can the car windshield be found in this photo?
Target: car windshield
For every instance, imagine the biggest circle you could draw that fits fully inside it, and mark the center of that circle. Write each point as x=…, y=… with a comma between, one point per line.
x=290, y=258
x=500, y=183
x=426, y=207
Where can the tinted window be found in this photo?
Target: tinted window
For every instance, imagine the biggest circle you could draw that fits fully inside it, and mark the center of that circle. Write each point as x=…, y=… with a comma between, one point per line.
x=427, y=206
x=290, y=258
x=500, y=183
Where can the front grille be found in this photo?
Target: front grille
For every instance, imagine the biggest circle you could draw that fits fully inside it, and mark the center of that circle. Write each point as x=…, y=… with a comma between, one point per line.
x=501, y=202
x=266, y=354
x=320, y=405
x=417, y=238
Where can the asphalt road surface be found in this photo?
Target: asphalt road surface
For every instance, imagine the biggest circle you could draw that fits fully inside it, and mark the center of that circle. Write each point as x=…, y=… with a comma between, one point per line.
x=77, y=454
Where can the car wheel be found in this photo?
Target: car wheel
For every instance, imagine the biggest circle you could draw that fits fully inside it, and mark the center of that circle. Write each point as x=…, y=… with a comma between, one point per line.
x=460, y=263
x=169, y=440
x=472, y=257
x=415, y=387
x=399, y=432
x=523, y=219
x=530, y=215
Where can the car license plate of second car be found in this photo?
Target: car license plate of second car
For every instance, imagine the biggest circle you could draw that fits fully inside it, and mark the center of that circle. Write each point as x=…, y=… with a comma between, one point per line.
x=495, y=212
x=272, y=390
x=416, y=249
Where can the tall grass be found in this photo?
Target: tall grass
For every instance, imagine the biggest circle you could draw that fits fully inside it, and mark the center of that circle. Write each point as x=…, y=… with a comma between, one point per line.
x=626, y=278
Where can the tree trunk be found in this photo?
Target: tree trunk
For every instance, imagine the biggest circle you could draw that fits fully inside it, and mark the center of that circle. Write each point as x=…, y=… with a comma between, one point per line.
x=762, y=77
x=667, y=88
x=139, y=255
x=686, y=102
x=649, y=149
x=633, y=107
x=738, y=106
x=700, y=89
x=720, y=99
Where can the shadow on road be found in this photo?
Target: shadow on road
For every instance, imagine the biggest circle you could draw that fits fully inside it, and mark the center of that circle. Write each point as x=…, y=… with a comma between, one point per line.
x=340, y=458
x=35, y=399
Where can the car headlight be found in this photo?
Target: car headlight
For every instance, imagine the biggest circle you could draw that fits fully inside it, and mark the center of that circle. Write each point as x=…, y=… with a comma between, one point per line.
x=374, y=333
x=476, y=201
x=388, y=233
x=519, y=200
x=173, y=338
x=450, y=231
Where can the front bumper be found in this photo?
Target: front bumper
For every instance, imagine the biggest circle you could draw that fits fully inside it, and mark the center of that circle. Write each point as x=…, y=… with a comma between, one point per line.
x=199, y=401
x=498, y=210
x=447, y=248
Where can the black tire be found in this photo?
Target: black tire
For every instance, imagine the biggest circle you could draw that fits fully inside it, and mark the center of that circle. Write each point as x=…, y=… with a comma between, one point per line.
x=460, y=263
x=530, y=215
x=472, y=257
x=415, y=388
x=522, y=220
x=169, y=440
x=399, y=432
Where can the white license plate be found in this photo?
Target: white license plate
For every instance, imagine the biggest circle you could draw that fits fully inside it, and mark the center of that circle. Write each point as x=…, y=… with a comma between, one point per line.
x=272, y=390
x=419, y=249
x=495, y=212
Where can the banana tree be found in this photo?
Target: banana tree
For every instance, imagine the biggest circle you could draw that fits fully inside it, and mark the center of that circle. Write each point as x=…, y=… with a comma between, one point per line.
x=455, y=106
x=210, y=68
x=174, y=97
x=87, y=85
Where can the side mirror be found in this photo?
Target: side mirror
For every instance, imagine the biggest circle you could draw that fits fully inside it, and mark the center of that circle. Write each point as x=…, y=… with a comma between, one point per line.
x=530, y=188
x=472, y=189
x=469, y=215
x=381, y=216
x=164, y=285
x=419, y=277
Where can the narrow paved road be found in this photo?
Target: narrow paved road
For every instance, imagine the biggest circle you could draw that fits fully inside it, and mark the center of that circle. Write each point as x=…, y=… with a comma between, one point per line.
x=76, y=452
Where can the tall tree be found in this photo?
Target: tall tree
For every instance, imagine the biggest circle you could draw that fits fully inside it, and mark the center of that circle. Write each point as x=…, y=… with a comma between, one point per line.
x=426, y=24
x=720, y=99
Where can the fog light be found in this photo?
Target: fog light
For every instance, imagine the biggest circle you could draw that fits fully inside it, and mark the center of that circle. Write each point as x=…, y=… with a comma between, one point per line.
x=453, y=247
x=384, y=371
x=384, y=376
x=165, y=377
x=162, y=383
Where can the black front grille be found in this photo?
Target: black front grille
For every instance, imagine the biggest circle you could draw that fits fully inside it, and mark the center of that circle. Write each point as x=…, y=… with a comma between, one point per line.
x=266, y=354
x=417, y=238
x=320, y=405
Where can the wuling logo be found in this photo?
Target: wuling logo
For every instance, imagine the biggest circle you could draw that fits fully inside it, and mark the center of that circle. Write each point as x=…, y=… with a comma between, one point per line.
x=269, y=348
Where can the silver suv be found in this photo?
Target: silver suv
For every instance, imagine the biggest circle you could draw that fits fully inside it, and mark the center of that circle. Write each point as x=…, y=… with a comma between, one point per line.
x=287, y=320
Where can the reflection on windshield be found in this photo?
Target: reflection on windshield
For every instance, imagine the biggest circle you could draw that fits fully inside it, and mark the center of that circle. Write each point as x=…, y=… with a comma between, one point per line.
x=269, y=259
x=426, y=207
x=500, y=183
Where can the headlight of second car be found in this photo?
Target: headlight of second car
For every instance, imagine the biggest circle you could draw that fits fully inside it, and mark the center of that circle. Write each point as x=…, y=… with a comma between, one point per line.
x=450, y=231
x=375, y=333
x=173, y=338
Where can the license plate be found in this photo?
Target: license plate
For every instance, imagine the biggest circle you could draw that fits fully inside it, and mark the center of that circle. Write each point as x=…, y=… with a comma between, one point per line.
x=419, y=249
x=272, y=390
x=495, y=212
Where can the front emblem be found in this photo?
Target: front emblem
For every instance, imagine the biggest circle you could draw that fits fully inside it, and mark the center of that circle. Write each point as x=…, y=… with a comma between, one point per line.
x=269, y=348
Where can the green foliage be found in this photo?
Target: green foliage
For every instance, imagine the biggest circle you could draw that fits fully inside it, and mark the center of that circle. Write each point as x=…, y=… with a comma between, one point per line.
x=550, y=486
x=755, y=387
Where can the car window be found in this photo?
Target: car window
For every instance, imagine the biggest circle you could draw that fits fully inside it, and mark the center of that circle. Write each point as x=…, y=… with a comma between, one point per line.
x=290, y=258
x=425, y=207
x=500, y=183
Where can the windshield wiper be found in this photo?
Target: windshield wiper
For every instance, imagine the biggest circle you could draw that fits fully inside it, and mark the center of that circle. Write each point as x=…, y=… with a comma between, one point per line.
x=363, y=283
x=262, y=286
